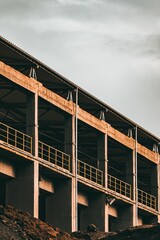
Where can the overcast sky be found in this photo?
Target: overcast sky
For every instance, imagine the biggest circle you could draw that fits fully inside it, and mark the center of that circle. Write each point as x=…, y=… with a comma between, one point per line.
x=111, y=48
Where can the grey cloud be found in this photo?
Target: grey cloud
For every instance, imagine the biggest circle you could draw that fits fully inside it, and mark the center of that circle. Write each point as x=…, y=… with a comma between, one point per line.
x=145, y=6
x=137, y=45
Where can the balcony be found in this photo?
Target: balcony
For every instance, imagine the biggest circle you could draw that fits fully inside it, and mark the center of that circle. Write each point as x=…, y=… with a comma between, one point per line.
x=91, y=173
x=53, y=155
x=15, y=138
x=22, y=141
x=119, y=186
x=146, y=199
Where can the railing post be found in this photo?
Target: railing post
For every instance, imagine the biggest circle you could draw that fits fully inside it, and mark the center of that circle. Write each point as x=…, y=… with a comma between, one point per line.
x=56, y=156
x=49, y=154
x=23, y=144
x=42, y=150
x=30, y=145
x=62, y=160
x=120, y=186
x=7, y=134
x=15, y=138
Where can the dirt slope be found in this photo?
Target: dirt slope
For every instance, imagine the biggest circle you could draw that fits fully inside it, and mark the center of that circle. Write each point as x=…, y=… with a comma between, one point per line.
x=17, y=225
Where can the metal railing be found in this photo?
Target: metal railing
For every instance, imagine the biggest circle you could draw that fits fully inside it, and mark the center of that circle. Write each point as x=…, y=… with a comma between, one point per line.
x=146, y=199
x=91, y=173
x=53, y=155
x=15, y=138
x=119, y=186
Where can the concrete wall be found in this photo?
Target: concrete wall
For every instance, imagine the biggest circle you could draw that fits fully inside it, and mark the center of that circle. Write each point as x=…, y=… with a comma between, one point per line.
x=122, y=217
x=22, y=191
x=94, y=212
x=59, y=205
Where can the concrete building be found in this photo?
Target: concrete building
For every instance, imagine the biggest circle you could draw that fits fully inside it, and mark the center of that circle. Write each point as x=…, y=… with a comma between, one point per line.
x=68, y=158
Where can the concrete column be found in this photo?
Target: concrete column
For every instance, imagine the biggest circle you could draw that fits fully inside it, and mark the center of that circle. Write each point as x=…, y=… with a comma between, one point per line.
x=59, y=206
x=32, y=130
x=134, y=189
x=130, y=169
x=95, y=213
x=22, y=191
x=32, y=120
x=106, y=229
x=158, y=187
x=102, y=162
x=155, y=184
x=131, y=178
x=154, y=180
x=70, y=148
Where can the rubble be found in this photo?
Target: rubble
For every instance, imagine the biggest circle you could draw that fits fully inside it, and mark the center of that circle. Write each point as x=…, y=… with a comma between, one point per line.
x=17, y=225
x=143, y=232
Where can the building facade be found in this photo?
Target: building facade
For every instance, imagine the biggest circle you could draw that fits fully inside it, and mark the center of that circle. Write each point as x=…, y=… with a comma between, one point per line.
x=68, y=158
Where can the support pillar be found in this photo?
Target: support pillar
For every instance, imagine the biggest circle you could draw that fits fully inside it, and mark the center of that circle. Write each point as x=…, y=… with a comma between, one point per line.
x=158, y=186
x=32, y=130
x=102, y=162
x=70, y=148
x=135, y=188
x=131, y=178
x=154, y=181
x=32, y=121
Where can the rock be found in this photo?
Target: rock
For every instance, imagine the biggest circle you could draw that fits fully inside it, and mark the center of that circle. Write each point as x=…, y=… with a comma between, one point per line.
x=91, y=228
x=2, y=210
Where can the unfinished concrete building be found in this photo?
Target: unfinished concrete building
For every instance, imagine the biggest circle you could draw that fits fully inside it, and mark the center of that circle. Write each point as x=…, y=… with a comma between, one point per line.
x=68, y=158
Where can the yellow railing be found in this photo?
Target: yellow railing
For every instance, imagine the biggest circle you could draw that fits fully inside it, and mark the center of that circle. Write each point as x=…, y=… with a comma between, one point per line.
x=53, y=155
x=15, y=138
x=119, y=186
x=146, y=199
x=87, y=171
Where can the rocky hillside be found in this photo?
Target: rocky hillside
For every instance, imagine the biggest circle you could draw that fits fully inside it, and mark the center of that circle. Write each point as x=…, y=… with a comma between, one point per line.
x=17, y=225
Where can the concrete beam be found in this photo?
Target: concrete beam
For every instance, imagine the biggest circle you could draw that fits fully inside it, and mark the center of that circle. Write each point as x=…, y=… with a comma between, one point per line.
x=82, y=199
x=46, y=185
x=55, y=99
x=19, y=78
x=147, y=153
x=92, y=121
x=120, y=137
x=35, y=87
x=112, y=211
x=7, y=168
